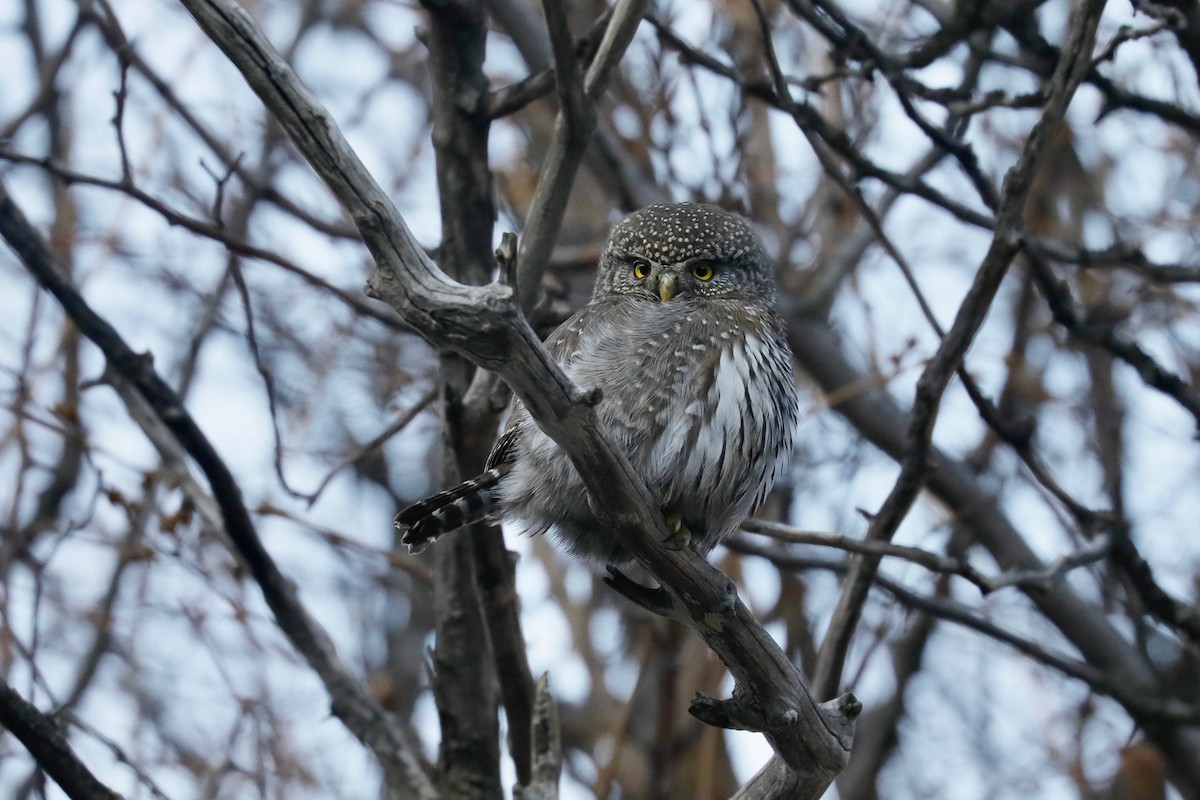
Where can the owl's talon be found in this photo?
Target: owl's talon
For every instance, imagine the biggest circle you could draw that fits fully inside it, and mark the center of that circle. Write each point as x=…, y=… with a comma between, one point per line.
x=587, y=397
x=679, y=537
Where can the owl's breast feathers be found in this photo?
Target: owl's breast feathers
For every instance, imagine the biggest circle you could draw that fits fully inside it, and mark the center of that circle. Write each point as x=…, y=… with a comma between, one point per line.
x=697, y=394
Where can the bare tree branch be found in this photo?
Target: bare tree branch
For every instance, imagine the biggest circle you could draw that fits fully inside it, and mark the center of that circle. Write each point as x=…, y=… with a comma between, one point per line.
x=935, y=562
x=485, y=324
x=351, y=703
x=1152, y=708
x=209, y=231
x=1109, y=337
x=875, y=415
x=46, y=744
x=572, y=131
x=547, y=747
x=970, y=317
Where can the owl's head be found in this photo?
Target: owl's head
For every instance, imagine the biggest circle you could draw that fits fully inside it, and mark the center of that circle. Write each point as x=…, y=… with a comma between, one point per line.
x=680, y=251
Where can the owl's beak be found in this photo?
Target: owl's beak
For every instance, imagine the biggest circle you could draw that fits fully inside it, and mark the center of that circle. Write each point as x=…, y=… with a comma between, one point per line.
x=666, y=287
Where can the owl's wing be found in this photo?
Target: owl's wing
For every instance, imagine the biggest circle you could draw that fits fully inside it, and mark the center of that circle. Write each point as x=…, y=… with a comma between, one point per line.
x=563, y=344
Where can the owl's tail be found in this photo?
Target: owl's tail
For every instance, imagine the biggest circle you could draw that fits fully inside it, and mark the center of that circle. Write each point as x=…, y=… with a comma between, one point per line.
x=470, y=502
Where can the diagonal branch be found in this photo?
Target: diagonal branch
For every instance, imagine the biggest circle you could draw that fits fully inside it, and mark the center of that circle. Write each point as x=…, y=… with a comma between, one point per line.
x=351, y=702
x=875, y=415
x=1006, y=242
x=46, y=744
x=485, y=324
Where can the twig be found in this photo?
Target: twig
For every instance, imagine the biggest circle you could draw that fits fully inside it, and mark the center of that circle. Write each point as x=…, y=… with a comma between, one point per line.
x=547, y=747
x=934, y=562
x=1041, y=579
x=49, y=69
x=514, y=97
x=849, y=39
x=987, y=410
x=119, y=754
x=1119, y=256
x=220, y=181
x=1153, y=707
x=877, y=417
x=118, y=120
x=1101, y=334
x=208, y=231
x=608, y=161
x=393, y=558
x=400, y=423
x=1183, y=617
x=264, y=372
x=812, y=122
x=1171, y=19
x=110, y=28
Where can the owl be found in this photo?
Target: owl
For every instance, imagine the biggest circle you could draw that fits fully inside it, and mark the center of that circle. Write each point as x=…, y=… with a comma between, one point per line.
x=682, y=338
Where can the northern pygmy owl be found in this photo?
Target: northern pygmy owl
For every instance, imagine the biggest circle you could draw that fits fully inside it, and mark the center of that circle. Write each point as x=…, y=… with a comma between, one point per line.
x=682, y=338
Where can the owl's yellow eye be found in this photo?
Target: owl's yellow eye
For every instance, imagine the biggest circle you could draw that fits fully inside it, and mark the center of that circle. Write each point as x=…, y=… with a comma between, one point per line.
x=703, y=271
x=640, y=271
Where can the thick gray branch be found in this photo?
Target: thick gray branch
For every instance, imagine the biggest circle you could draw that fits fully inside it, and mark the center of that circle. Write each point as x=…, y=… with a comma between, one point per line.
x=485, y=324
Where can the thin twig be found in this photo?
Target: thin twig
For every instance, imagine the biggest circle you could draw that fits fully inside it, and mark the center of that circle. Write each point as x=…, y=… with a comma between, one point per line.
x=935, y=562
x=547, y=747
x=209, y=231
x=1151, y=706
x=1107, y=336
x=110, y=28
x=810, y=121
x=514, y=97
x=400, y=423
